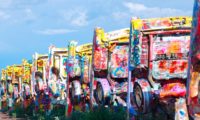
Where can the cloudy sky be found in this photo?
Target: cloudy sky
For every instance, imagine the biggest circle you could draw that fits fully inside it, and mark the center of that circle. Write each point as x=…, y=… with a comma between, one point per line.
x=28, y=26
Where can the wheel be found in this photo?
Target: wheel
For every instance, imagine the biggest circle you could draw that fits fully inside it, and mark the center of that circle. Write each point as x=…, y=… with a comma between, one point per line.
x=138, y=97
x=100, y=94
x=142, y=96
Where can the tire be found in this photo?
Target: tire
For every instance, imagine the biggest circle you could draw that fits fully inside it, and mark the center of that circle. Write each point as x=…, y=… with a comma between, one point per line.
x=100, y=94
x=142, y=98
x=138, y=97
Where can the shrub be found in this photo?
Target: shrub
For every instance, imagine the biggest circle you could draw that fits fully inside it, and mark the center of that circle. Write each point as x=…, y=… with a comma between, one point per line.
x=100, y=113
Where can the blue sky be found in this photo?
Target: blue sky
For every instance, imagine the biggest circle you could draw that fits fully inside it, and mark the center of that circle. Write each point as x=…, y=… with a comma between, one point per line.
x=28, y=26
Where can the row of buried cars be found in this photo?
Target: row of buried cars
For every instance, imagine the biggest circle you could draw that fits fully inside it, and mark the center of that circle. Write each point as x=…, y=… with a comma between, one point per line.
x=143, y=66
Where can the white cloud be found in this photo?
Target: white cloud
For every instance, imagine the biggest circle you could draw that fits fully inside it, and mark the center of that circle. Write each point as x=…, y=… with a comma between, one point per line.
x=18, y=11
x=26, y=15
x=135, y=6
x=141, y=10
x=127, y=10
x=76, y=17
x=54, y=31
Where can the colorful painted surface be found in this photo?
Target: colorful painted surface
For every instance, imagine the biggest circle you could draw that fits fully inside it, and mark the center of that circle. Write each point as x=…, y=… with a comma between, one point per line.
x=135, y=57
x=10, y=88
x=27, y=89
x=170, y=57
x=100, y=58
x=40, y=64
x=3, y=74
x=72, y=48
x=181, y=112
x=73, y=67
x=54, y=87
x=121, y=87
x=138, y=55
x=64, y=70
x=119, y=62
x=57, y=87
x=105, y=85
x=161, y=23
x=194, y=66
x=100, y=51
x=73, y=64
x=9, y=72
x=85, y=62
x=61, y=87
x=173, y=90
x=60, y=63
x=16, y=91
x=27, y=73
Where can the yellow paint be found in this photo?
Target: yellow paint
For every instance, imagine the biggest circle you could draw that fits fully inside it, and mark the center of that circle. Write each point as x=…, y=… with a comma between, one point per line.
x=100, y=36
x=174, y=47
x=110, y=39
x=195, y=77
x=3, y=74
x=26, y=71
x=85, y=50
x=137, y=24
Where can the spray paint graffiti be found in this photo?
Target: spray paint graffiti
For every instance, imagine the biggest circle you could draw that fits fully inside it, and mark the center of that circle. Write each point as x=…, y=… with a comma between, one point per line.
x=135, y=50
x=119, y=63
x=170, y=57
x=193, y=86
x=100, y=52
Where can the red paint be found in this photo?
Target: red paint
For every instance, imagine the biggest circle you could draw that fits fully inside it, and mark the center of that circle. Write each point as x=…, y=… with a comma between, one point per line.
x=162, y=64
x=183, y=66
x=168, y=32
x=173, y=89
x=172, y=67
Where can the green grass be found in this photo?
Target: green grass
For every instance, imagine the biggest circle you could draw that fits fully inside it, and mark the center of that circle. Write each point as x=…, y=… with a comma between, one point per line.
x=99, y=113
